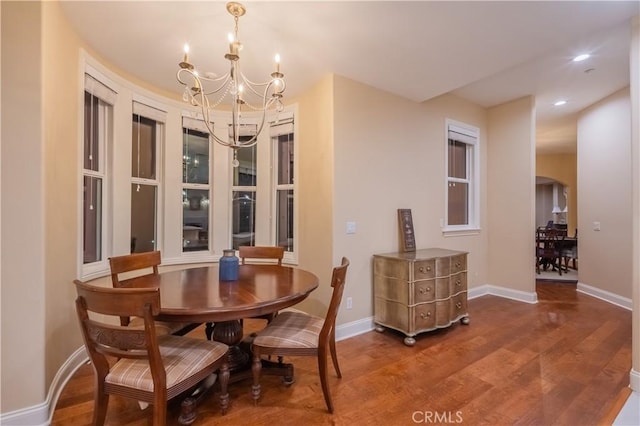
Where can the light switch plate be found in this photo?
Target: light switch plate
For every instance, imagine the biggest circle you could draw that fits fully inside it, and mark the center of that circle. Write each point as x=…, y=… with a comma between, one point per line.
x=351, y=227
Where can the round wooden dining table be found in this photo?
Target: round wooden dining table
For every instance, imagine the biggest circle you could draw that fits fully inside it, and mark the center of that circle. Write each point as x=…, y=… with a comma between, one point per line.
x=196, y=295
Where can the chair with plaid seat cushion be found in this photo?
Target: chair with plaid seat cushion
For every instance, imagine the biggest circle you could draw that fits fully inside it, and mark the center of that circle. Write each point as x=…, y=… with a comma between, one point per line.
x=300, y=334
x=147, y=262
x=139, y=363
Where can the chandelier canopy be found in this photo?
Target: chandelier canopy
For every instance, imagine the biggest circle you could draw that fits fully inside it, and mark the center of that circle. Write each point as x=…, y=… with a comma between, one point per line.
x=209, y=91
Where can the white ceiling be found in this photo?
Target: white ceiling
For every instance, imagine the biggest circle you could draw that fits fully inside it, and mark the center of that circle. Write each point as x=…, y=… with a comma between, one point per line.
x=487, y=52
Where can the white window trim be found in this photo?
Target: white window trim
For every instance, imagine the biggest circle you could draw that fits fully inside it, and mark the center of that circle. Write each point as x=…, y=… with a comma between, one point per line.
x=473, y=133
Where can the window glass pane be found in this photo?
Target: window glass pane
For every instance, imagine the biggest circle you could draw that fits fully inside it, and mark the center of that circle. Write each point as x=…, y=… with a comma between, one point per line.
x=91, y=142
x=458, y=212
x=457, y=159
x=245, y=173
x=195, y=157
x=92, y=219
x=143, y=148
x=195, y=220
x=143, y=218
x=284, y=219
x=285, y=159
x=244, y=215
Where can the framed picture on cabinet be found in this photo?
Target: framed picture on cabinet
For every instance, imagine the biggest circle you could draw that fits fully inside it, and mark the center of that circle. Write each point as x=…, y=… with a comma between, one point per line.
x=407, y=236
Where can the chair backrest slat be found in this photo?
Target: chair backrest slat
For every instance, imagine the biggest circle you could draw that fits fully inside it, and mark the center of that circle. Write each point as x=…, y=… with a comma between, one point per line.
x=133, y=262
x=338, y=280
x=261, y=252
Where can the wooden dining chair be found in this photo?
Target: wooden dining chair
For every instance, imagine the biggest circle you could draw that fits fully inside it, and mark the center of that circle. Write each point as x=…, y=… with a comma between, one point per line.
x=147, y=263
x=300, y=334
x=139, y=363
x=549, y=243
x=273, y=253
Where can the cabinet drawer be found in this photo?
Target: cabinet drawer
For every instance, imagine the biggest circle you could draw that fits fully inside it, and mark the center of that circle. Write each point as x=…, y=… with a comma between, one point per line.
x=425, y=316
x=458, y=283
x=458, y=263
x=391, y=268
x=443, y=307
x=424, y=269
x=443, y=267
x=391, y=289
x=458, y=306
x=424, y=291
x=392, y=314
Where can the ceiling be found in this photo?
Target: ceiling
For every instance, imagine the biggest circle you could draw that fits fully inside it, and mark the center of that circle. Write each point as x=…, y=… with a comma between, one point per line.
x=486, y=52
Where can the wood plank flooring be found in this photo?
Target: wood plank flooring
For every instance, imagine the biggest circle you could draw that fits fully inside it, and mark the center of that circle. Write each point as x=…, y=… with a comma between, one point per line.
x=563, y=361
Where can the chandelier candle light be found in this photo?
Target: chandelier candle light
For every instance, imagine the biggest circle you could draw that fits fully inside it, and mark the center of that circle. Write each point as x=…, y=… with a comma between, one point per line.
x=209, y=91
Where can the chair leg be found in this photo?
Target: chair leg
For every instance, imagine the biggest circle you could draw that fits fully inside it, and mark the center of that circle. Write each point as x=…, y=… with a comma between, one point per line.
x=224, y=384
x=324, y=379
x=334, y=355
x=160, y=409
x=256, y=366
x=101, y=401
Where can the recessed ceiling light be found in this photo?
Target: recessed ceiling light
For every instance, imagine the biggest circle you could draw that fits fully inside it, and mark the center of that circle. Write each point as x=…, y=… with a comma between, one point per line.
x=560, y=103
x=581, y=57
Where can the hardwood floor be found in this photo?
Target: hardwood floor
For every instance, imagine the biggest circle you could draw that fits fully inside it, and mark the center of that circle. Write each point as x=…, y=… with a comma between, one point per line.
x=563, y=361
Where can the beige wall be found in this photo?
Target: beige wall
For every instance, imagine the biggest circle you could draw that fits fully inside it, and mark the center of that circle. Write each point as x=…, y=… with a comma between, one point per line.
x=511, y=194
x=390, y=154
x=604, y=194
x=23, y=236
x=563, y=168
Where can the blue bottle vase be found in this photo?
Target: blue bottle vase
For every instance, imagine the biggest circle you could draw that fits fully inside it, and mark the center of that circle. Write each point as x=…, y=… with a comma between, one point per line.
x=229, y=265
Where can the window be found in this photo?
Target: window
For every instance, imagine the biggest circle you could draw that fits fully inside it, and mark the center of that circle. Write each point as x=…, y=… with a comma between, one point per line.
x=196, y=194
x=97, y=135
x=462, y=177
x=244, y=193
x=282, y=138
x=145, y=181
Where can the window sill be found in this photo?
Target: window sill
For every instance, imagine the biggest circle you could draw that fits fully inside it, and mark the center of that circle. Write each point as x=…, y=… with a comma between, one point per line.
x=461, y=232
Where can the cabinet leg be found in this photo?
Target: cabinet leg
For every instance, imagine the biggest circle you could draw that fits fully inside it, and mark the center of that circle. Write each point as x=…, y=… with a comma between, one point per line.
x=409, y=341
x=379, y=328
x=464, y=320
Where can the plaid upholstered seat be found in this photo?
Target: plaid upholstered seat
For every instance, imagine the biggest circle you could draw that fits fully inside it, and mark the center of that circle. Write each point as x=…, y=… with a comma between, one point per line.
x=182, y=357
x=300, y=334
x=291, y=330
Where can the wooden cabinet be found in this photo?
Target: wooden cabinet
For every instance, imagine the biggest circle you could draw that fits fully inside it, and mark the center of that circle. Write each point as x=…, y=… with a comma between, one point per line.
x=420, y=291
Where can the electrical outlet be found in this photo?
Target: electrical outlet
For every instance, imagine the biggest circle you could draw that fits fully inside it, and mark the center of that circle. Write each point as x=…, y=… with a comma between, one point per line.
x=349, y=302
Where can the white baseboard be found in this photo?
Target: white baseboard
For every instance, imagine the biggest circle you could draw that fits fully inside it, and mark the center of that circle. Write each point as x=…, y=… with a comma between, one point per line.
x=507, y=293
x=354, y=328
x=607, y=296
x=41, y=414
x=634, y=380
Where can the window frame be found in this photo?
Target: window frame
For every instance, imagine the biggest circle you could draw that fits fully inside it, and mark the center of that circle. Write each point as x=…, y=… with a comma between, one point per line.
x=470, y=136
x=284, y=118
x=102, y=89
x=198, y=125
x=148, y=110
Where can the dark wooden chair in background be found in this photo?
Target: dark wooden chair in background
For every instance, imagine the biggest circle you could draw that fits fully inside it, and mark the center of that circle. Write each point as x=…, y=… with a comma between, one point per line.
x=300, y=334
x=147, y=263
x=146, y=366
x=549, y=243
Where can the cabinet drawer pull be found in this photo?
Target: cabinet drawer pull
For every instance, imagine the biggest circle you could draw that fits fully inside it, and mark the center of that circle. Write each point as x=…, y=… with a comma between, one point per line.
x=459, y=305
x=457, y=264
x=424, y=290
x=423, y=315
x=423, y=269
x=458, y=282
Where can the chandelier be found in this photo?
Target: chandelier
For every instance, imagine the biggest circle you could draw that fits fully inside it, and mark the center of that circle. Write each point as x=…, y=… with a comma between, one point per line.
x=209, y=91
